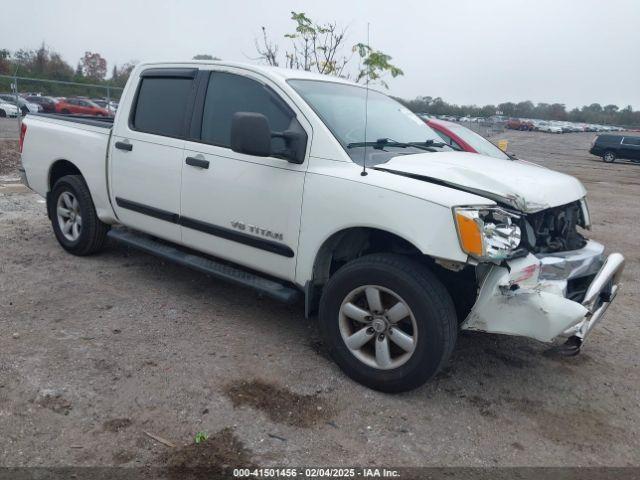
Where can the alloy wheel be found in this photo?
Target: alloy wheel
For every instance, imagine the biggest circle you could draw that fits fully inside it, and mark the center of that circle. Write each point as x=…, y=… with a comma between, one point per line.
x=69, y=218
x=378, y=327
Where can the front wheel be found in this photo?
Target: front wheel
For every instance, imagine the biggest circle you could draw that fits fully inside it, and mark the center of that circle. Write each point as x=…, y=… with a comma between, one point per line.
x=388, y=322
x=73, y=217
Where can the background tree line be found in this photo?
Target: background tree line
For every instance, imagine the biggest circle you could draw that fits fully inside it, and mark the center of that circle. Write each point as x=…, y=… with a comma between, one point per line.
x=594, y=113
x=48, y=64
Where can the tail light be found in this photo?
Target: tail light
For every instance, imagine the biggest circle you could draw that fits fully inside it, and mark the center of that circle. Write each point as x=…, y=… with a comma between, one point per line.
x=23, y=132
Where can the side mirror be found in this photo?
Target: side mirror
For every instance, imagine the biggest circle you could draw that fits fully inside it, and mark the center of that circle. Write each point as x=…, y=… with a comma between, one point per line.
x=251, y=134
x=512, y=156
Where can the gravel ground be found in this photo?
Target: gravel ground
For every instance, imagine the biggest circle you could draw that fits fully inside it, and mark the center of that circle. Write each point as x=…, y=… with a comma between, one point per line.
x=9, y=157
x=9, y=128
x=94, y=352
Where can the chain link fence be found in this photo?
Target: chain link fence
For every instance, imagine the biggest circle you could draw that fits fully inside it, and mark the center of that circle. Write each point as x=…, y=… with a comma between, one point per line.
x=486, y=127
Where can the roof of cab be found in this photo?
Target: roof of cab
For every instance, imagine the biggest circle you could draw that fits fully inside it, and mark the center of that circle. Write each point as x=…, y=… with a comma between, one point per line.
x=279, y=72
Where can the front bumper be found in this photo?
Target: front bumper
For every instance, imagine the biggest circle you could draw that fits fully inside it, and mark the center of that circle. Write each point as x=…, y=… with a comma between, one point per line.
x=548, y=296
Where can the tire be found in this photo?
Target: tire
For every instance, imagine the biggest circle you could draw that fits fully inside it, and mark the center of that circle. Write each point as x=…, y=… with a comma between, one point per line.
x=609, y=156
x=65, y=111
x=71, y=194
x=430, y=323
x=3, y=114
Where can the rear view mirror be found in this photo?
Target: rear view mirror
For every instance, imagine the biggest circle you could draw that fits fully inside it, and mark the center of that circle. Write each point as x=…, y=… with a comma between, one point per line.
x=251, y=134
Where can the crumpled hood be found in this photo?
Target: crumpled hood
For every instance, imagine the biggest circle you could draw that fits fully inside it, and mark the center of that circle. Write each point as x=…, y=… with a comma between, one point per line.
x=522, y=185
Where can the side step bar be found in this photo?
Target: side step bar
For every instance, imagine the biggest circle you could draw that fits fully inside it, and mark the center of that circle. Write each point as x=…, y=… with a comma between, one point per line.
x=223, y=271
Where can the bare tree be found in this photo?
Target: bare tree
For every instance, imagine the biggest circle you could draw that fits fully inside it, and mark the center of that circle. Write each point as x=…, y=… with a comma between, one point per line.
x=268, y=51
x=319, y=47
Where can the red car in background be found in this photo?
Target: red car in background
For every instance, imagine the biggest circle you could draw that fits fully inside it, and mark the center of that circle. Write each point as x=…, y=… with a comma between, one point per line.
x=80, y=106
x=519, y=124
x=465, y=139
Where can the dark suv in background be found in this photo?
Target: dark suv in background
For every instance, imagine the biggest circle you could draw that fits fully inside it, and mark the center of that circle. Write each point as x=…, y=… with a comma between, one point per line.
x=610, y=147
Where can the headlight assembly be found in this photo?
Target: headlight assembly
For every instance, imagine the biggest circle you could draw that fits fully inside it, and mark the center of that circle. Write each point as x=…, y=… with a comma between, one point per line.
x=586, y=217
x=487, y=233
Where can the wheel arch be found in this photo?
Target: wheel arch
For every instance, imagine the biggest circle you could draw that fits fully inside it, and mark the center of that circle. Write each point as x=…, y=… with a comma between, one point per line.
x=58, y=169
x=350, y=243
x=345, y=245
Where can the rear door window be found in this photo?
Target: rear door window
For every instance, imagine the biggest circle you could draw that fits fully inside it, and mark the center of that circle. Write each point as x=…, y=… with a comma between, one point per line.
x=161, y=106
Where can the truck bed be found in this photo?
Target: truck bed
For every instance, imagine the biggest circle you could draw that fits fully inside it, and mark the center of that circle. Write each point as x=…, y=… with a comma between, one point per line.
x=53, y=142
x=102, y=122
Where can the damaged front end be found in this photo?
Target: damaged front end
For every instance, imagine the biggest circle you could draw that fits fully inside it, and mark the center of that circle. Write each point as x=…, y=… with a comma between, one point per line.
x=556, y=284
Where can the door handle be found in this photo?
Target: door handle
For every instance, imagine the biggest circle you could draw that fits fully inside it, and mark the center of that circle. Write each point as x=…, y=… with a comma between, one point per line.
x=197, y=162
x=124, y=146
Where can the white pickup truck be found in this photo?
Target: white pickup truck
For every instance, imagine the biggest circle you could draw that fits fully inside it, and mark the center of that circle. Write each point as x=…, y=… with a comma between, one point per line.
x=302, y=185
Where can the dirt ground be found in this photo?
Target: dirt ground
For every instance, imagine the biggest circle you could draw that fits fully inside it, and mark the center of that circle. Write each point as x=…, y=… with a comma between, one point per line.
x=99, y=355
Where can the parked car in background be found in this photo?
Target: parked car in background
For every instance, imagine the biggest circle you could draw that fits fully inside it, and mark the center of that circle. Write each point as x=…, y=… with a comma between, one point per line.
x=81, y=106
x=110, y=106
x=48, y=104
x=8, y=110
x=518, y=124
x=612, y=147
x=24, y=106
x=465, y=139
x=548, y=127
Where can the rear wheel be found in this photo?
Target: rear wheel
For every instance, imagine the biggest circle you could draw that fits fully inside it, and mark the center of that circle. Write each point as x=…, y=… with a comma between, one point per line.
x=609, y=156
x=65, y=111
x=73, y=217
x=388, y=322
x=3, y=114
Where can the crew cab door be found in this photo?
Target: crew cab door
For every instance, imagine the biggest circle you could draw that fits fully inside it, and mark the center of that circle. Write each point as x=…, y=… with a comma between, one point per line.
x=146, y=153
x=630, y=148
x=235, y=206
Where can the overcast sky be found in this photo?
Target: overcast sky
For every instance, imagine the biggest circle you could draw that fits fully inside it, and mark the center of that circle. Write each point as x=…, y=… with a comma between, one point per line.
x=465, y=51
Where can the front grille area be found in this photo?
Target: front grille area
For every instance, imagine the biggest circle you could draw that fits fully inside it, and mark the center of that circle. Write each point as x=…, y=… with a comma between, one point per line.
x=577, y=287
x=554, y=229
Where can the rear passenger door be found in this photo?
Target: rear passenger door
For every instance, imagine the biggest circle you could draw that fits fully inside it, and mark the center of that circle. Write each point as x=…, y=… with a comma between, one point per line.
x=630, y=148
x=236, y=206
x=146, y=152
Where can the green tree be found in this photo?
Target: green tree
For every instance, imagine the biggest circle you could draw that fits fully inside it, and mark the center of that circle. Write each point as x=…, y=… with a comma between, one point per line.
x=321, y=47
x=94, y=66
x=119, y=76
x=5, y=61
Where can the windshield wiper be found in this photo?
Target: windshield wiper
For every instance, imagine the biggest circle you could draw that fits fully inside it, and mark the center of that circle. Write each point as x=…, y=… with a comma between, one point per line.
x=433, y=143
x=379, y=144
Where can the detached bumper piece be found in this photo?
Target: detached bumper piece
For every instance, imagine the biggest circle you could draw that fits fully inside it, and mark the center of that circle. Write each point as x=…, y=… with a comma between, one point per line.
x=548, y=297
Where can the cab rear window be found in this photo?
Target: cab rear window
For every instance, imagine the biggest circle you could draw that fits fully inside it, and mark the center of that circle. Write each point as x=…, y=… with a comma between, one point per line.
x=161, y=106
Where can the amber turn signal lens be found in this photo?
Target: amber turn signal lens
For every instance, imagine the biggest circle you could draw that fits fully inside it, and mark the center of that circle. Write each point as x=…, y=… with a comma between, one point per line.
x=470, y=235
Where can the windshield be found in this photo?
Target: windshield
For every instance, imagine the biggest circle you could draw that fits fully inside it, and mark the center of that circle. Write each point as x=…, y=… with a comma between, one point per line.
x=342, y=108
x=479, y=143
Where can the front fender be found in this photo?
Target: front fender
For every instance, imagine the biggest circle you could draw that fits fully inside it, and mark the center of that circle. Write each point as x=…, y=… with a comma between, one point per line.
x=332, y=204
